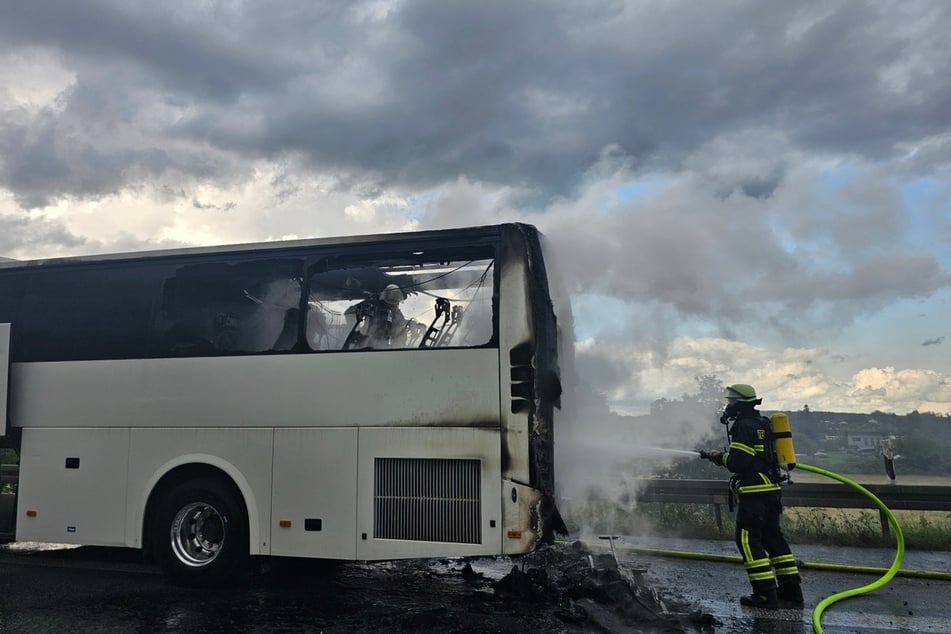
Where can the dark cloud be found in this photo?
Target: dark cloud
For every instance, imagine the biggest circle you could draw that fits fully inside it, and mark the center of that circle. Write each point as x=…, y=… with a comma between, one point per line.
x=729, y=259
x=187, y=51
x=531, y=102
x=228, y=206
x=524, y=94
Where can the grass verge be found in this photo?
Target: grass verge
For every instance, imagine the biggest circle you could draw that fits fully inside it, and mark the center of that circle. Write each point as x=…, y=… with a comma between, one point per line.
x=923, y=530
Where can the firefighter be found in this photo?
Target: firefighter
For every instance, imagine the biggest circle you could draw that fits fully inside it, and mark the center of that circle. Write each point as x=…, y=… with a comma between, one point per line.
x=755, y=481
x=377, y=322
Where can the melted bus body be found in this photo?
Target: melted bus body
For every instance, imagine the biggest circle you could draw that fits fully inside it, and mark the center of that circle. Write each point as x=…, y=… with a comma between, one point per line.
x=362, y=398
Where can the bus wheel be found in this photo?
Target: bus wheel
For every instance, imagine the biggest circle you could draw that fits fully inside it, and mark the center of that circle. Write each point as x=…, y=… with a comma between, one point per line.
x=200, y=535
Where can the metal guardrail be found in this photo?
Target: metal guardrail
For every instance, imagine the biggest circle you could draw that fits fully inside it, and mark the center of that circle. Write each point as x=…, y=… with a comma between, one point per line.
x=818, y=494
x=898, y=497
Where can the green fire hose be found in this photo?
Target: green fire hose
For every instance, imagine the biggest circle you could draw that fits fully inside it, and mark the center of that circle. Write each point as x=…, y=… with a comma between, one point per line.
x=892, y=570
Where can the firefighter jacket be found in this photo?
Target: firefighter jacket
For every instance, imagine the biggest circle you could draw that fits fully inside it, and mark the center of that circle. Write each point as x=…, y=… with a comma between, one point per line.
x=750, y=456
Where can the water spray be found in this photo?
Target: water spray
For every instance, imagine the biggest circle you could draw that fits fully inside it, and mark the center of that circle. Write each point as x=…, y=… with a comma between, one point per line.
x=681, y=452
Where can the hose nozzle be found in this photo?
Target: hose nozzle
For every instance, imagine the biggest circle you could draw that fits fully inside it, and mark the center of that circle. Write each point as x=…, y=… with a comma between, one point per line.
x=704, y=455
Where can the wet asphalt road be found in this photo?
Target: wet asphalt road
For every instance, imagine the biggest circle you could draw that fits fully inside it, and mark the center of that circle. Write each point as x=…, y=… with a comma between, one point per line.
x=903, y=605
x=106, y=590
x=103, y=590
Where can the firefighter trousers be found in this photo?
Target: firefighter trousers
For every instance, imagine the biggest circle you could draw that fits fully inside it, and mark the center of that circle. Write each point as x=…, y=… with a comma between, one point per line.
x=760, y=540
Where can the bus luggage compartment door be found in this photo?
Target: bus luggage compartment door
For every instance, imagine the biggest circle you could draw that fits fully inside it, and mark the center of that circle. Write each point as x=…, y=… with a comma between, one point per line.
x=313, y=504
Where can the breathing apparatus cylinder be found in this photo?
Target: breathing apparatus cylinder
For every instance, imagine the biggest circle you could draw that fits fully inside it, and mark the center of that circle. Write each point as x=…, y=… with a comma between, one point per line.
x=782, y=440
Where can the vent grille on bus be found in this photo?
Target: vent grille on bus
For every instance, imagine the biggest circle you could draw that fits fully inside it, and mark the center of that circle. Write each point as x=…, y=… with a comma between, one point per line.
x=428, y=499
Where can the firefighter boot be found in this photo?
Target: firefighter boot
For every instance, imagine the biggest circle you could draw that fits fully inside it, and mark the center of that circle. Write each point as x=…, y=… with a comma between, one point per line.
x=790, y=594
x=765, y=599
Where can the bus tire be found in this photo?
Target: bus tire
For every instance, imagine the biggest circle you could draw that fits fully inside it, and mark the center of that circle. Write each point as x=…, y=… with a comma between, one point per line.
x=200, y=535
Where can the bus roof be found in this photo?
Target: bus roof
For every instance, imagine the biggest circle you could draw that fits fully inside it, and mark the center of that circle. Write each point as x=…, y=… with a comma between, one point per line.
x=475, y=232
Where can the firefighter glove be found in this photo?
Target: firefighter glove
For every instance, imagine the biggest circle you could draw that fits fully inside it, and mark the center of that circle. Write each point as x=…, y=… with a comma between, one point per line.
x=715, y=457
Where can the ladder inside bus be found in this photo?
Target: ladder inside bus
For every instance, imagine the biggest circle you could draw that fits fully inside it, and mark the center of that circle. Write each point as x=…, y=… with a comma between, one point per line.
x=441, y=334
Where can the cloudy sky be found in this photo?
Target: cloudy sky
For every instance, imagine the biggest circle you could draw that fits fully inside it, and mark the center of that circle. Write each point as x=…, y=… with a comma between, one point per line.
x=755, y=190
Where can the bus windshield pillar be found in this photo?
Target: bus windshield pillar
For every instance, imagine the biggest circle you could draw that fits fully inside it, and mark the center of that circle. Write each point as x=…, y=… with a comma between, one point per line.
x=4, y=375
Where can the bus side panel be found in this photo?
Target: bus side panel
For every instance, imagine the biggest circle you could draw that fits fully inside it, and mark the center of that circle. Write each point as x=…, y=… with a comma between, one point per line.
x=243, y=455
x=73, y=486
x=314, y=502
x=342, y=389
x=428, y=492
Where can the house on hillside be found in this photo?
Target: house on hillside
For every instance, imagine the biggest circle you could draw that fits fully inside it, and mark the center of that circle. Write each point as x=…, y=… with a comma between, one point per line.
x=865, y=441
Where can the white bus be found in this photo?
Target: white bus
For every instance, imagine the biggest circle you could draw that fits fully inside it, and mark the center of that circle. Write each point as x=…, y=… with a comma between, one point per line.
x=363, y=398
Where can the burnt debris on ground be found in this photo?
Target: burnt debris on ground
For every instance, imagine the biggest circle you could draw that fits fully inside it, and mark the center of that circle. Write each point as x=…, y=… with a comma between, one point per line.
x=591, y=591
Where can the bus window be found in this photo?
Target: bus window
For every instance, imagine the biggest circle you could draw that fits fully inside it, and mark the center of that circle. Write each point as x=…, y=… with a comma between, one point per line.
x=401, y=304
x=220, y=308
x=86, y=312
